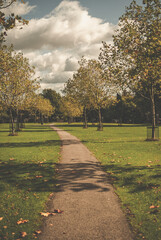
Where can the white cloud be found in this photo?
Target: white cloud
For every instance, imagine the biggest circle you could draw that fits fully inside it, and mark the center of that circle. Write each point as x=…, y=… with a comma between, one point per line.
x=19, y=8
x=55, y=43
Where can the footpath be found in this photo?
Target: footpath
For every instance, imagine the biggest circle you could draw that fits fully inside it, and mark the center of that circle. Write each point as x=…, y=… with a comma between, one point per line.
x=91, y=209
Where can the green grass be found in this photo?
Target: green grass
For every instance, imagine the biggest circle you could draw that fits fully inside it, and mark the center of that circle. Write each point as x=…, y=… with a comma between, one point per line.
x=27, y=178
x=134, y=168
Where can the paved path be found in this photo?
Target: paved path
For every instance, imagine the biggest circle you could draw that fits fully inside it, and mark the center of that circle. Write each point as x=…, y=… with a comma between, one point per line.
x=91, y=208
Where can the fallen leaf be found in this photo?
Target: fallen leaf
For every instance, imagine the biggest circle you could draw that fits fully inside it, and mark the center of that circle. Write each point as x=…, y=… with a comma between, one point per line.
x=23, y=234
x=39, y=176
x=38, y=232
x=152, y=206
x=22, y=221
x=45, y=214
x=1, y=218
x=58, y=211
x=4, y=227
x=51, y=194
x=11, y=159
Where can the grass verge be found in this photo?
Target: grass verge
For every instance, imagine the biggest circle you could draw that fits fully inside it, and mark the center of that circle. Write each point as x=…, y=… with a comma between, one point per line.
x=134, y=168
x=27, y=178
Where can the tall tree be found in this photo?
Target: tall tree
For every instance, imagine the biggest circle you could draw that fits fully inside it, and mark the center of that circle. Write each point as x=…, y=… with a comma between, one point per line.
x=42, y=107
x=99, y=88
x=17, y=81
x=70, y=108
x=136, y=52
x=78, y=88
x=55, y=100
x=91, y=87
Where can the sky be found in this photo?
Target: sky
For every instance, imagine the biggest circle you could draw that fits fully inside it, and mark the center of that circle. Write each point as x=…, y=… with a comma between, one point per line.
x=59, y=33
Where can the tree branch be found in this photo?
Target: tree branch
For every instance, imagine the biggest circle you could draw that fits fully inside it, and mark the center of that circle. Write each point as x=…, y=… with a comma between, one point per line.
x=9, y=4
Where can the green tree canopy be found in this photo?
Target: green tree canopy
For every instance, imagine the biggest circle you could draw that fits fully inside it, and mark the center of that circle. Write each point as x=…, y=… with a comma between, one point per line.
x=17, y=82
x=136, y=62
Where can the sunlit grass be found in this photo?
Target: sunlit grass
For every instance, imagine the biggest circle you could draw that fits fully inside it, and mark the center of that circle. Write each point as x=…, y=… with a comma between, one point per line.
x=134, y=168
x=27, y=177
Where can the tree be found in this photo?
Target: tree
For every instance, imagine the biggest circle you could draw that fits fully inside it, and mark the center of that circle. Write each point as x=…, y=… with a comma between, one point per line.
x=70, y=108
x=42, y=107
x=99, y=88
x=8, y=22
x=91, y=87
x=77, y=88
x=55, y=100
x=136, y=52
x=17, y=82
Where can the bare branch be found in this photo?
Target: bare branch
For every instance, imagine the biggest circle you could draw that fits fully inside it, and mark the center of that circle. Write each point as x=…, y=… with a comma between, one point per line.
x=8, y=5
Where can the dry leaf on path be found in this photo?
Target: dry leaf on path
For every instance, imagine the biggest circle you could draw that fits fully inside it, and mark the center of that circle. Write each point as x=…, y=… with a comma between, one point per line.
x=45, y=214
x=58, y=211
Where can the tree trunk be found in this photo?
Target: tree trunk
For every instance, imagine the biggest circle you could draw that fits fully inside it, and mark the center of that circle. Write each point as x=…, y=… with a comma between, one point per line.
x=41, y=119
x=12, y=124
x=153, y=113
x=69, y=120
x=100, y=125
x=18, y=121
x=85, y=118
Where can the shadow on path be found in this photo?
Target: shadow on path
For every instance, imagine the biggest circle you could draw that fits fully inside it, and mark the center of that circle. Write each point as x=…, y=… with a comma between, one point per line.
x=80, y=177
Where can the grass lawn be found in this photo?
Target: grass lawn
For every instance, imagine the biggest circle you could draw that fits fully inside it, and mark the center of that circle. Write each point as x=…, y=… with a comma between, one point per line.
x=27, y=178
x=134, y=168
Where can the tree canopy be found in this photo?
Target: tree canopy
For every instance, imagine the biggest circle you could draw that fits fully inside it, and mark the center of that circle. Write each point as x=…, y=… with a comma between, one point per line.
x=136, y=62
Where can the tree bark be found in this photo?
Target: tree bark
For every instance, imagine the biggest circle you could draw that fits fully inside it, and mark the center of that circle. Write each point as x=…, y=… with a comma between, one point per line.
x=18, y=121
x=41, y=119
x=153, y=113
x=100, y=125
x=85, y=118
x=12, y=123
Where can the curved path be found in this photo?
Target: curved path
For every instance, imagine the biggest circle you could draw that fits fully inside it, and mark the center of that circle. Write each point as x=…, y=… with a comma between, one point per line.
x=91, y=209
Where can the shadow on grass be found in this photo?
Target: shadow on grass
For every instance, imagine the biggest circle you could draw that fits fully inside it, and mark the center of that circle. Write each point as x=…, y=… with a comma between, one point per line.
x=114, y=142
x=105, y=125
x=39, y=144
x=136, y=178
x=31, y=144
x=41, y=177
x=36, y=177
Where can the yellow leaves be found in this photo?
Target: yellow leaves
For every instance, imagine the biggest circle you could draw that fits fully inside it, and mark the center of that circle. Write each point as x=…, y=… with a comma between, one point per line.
x=47, y=214
x=16, y=74
x=21, y=221
x=23, y=234
x=39, y=176
x=152, y=207
x=38, y=232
